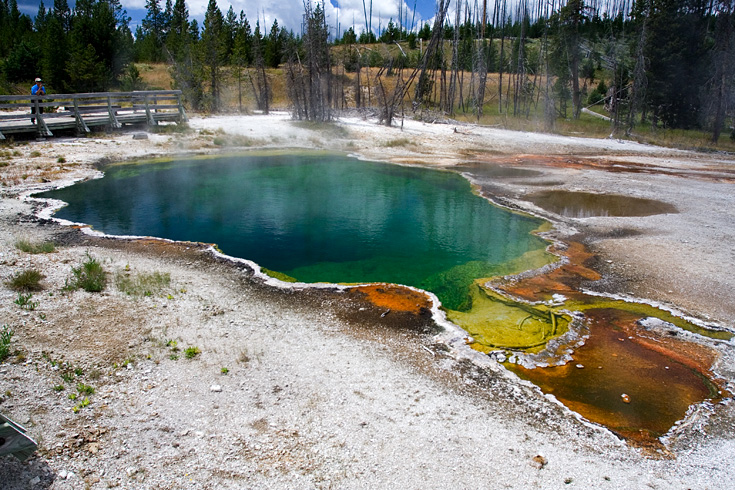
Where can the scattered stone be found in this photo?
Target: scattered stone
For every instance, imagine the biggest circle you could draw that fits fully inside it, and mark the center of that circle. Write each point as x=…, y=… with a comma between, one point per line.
x=626, y=398
x=498, y=356
x=580, y=366
x=215, y=388
x=140, y=136
x=62, y=474
x=539, y=461
x=35, y=481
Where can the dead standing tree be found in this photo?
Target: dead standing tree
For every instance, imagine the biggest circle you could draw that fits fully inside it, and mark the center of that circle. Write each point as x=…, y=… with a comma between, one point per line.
x=310, y=83
x=391, y=100
x=260, y=84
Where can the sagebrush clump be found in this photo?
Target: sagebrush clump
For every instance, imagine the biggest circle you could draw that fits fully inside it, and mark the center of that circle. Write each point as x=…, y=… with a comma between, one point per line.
x=90, y=276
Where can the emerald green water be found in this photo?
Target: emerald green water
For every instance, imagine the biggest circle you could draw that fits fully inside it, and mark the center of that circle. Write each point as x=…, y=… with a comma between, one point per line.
x=317, y=218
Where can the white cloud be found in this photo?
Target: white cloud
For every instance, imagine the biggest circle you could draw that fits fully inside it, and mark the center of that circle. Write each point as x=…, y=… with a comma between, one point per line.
x=289, y=12
x=137, y=4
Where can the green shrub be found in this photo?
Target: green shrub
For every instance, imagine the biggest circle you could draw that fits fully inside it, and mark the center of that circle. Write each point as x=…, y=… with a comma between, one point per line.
x=397, y=142
x=5, y=335
x=24, y=301
x=85, y=389
x=26, y=280
x=89, y=276
x=30, y=247
x=192, y=352
x=142, y=284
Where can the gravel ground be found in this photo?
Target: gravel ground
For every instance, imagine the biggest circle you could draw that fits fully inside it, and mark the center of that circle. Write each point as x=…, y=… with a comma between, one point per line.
x=321, y=391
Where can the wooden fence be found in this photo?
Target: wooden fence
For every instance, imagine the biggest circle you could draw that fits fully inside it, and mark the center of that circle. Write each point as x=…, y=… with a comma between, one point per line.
x=109, y=110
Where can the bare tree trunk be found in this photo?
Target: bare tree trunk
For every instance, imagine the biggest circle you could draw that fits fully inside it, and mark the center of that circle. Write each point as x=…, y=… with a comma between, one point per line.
x=389, y=102
x=502, y=60
x=724, y=47
x=423, y=86
x=639, y=75
x=453, y=77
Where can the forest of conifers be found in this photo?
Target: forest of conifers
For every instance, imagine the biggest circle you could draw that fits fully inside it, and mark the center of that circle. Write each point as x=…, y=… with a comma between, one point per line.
x=664, y=63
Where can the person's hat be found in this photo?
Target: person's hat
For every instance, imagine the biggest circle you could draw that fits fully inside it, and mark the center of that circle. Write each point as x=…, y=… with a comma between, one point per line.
x=38, y=80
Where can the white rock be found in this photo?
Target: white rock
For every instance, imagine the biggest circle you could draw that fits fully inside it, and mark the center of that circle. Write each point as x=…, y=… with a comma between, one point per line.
x=215, y=388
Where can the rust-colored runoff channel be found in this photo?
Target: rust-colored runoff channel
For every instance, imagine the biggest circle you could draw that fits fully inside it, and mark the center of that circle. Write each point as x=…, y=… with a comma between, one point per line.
x=635, y=381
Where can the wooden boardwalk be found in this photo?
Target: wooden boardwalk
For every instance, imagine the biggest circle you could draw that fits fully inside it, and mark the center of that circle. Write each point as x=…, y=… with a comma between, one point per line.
x=81, y=112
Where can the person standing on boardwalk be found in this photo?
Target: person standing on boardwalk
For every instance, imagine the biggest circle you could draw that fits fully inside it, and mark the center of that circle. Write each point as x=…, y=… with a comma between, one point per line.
x=37, y=89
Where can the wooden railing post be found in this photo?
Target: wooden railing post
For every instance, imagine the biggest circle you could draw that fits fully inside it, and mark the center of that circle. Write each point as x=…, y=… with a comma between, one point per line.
x=81, y=126
x=151, y=119
x=41, y=128
x=182, y=112
x=113, y=119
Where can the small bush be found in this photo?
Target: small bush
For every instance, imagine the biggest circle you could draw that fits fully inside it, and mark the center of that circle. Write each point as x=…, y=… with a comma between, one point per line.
x=90, y=276
x=397, y=142
x=24, y=301
x=35, y=154
x=192, y=352
x=26, y=280
x=85, y=389
x=5, y=335
x=31, y=247
x=61, y=159
x=143, y=284
x=170, y=128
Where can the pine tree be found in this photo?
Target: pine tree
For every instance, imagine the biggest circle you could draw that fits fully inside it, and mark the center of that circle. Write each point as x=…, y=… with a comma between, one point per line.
x=178, y=34
x=186, y=69
x=86, y=68
x=273, y=48
x=213, y=51
x=678, y=61
x=260, y=85
x=55, y=54
x=229, y=30
x=62, y=12
x=241, y=52
x=150, y=47
x=40, y=22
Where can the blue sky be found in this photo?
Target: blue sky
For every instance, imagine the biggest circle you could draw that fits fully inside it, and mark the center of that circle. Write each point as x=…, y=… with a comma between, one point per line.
x=288, y=12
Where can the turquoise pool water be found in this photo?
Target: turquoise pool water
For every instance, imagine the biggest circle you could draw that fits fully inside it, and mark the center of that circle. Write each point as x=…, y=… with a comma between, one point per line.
x=315, y=217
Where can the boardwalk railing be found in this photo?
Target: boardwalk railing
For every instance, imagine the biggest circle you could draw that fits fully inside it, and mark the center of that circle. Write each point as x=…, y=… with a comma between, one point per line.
x=44, y=114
